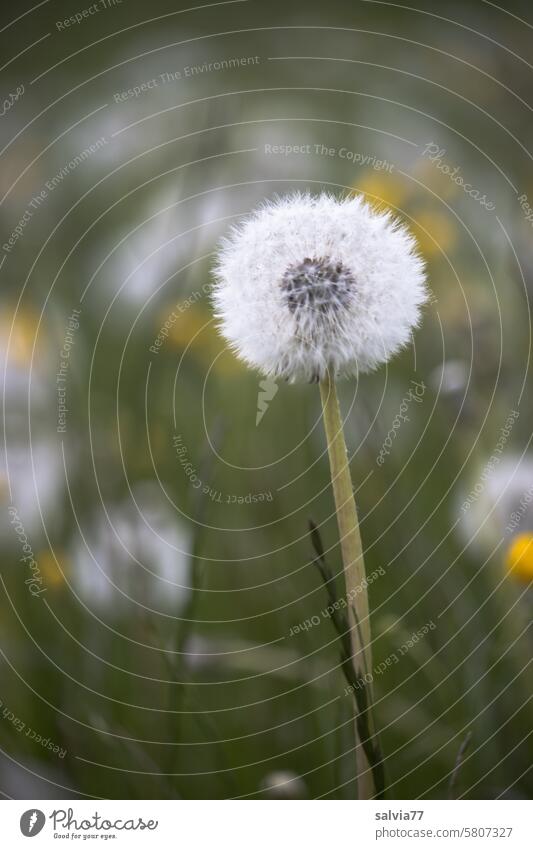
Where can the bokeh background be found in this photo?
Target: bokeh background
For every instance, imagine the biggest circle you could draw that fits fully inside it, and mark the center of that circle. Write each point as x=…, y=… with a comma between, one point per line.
x=148, y=642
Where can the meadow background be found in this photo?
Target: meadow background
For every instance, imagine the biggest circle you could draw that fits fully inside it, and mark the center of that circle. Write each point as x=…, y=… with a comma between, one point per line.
x=149, y=644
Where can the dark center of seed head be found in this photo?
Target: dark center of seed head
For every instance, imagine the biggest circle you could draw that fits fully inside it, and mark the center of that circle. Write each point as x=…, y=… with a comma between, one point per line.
x=317, y=285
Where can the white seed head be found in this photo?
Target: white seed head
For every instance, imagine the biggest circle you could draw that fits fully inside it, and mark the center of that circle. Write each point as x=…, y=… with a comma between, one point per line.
x=309, y=284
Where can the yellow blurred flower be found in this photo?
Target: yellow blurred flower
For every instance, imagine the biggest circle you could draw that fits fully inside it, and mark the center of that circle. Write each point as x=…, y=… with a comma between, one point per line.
x=195, y=331
x=433, y=228
x=23, y=330
x=4, y=489
x=53, y=568
x=428, y=175
x=434, y=232
x=519, y=558
x=189, y=326
x=383, y=189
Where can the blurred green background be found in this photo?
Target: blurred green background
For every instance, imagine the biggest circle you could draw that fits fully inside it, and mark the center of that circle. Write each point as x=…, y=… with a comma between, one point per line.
x=152, y=655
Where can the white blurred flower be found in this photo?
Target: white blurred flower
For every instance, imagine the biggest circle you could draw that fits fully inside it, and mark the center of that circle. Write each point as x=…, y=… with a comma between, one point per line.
x=19, y=335
x=35, y=480
x=498, y=504
x=164, y=248
x=451, y=377
x=150, y=253
x=31, y=466
x=309, y=284
x=140, y=554
x=283, y=784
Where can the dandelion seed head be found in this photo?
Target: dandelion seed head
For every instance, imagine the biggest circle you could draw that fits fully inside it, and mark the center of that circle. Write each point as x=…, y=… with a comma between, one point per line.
x=308, y=284
x=317, y=287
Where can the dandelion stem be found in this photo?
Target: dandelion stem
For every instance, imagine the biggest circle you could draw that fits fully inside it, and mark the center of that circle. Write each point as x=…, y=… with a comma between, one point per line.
x=352, y=557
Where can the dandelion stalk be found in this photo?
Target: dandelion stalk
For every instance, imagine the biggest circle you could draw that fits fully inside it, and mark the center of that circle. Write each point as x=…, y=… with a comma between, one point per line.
x=458, y=764
x=312, y=286
x=357, y=684
x=352, y=558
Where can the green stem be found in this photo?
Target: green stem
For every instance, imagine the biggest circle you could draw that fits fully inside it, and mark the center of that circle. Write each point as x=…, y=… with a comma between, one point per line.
x=352, y=557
